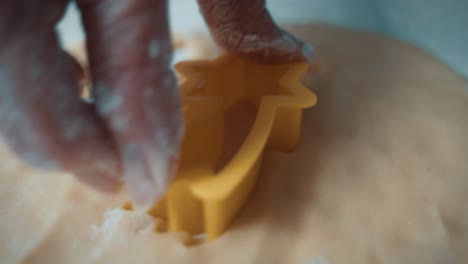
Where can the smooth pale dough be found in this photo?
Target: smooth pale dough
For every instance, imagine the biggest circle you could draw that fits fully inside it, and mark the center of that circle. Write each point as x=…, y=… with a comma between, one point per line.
x=380, y=176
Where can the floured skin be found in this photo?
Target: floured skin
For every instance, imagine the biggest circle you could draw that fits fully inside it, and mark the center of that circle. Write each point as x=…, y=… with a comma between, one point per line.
x=380, y=176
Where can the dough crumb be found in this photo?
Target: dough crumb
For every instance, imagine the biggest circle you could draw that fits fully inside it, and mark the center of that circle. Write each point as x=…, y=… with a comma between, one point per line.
x=129, y=224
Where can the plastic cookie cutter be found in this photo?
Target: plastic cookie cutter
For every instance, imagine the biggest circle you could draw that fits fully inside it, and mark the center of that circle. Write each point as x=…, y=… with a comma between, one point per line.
x=235, y=109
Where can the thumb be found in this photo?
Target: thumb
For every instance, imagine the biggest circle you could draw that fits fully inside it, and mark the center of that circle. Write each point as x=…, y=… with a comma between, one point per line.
x=245, y=27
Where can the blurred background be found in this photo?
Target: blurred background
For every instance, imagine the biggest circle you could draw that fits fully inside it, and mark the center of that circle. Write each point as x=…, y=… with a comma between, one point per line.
x=437, y=26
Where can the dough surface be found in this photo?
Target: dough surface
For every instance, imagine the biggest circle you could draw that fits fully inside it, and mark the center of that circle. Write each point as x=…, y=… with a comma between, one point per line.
x=380, y=176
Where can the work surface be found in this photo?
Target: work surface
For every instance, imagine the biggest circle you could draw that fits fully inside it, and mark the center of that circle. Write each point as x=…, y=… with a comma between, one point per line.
x=380, y=176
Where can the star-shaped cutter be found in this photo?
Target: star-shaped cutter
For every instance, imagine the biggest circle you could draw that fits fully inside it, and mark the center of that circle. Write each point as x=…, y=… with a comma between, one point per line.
x=204, y=198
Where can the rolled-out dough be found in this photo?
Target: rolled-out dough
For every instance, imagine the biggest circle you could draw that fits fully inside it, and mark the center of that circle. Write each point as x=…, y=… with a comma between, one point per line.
x=380, y=176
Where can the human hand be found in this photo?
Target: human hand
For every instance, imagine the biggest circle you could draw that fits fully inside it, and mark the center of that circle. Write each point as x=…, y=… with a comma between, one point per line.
x=132, y=131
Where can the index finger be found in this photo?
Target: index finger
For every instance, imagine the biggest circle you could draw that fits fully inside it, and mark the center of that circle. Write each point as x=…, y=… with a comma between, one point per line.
x=130, y=52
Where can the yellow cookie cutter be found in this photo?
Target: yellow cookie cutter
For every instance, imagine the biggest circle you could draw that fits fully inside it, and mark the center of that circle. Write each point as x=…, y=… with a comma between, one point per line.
x=203, y=199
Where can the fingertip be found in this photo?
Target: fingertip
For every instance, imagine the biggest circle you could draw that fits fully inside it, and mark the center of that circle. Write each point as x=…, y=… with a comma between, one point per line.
x=142, y=192
x=142, y=189
x=146, y=175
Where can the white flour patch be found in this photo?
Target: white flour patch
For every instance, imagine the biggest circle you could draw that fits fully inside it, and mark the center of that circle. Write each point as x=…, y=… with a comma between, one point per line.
x=121, y=227
x=141, y=223
x=285, y=43
x=110, y=103
x=107, y=101
x=251, y=43
x=119, y=123
x=74, y=128
x=308, y=51
x=112, y=218
x=251, y=38
x=154, y=49
x=229, y=34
